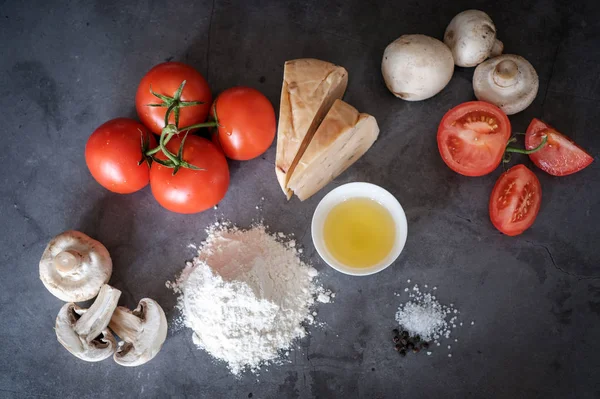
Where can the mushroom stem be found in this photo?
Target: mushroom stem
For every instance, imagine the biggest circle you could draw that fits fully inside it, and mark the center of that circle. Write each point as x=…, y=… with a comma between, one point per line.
x=506, y=72
x=497, y=49
x=67, y=261
x=125, y=324
x=97, y=317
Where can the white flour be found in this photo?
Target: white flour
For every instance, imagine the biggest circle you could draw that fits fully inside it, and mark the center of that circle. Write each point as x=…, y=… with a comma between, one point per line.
x=246, y=295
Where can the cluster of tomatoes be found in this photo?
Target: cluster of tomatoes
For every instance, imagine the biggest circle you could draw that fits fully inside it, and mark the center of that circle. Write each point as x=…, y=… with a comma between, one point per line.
x=187, y=173
x=474, y=138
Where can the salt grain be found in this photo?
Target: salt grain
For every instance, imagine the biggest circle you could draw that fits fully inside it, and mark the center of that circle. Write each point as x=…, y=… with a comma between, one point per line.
x=423, y=315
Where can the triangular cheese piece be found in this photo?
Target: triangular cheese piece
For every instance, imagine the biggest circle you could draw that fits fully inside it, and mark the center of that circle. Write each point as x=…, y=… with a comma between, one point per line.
x=309, y=89
x=341, y=139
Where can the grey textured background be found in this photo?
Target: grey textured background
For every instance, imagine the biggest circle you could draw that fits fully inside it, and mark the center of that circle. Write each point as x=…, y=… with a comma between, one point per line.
x=67, y=68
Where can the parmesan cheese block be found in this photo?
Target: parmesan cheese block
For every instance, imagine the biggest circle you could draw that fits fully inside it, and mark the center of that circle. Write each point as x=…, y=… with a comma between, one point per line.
x=343, y=137
x=309, y=89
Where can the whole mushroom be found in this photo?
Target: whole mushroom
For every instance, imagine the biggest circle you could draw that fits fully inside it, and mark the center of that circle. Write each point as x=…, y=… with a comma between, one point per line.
x=416, y=67
x=508, y=81
x=142, y=331
x=471, y=35
x=84, y=332
x=74, y=266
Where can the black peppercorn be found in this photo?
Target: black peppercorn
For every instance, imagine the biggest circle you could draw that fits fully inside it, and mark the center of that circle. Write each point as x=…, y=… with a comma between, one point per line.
x=402, y=352
x=425, y=345
x=404, y=334
x=417, y=338
x=396, y=339
x=395, y=331
x=410, y=346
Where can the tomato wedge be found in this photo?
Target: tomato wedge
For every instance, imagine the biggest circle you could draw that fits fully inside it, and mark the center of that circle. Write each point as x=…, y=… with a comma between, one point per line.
x=472, y=137
x=515, y=200
x=560, y=156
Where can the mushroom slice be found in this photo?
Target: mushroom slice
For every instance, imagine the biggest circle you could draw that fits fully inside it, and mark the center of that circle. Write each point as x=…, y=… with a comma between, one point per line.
x=142, y=331
x=75, y=266
x=508, y=81
x=471, y=35
x=84, y=332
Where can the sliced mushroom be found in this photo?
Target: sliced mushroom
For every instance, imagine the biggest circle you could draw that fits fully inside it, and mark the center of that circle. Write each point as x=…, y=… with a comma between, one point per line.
x=142, y=331
x=508, y=81
x=471, y=35
x=416, y=67
x=75, y=266
x=84, y=332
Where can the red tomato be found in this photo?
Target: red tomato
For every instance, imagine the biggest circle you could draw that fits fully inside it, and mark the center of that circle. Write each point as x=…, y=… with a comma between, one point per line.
x=165, y=79
x=246, y=123
x=472, y=137
x=113, y=153
x=515, y=200
x=191, y=191
x=560, y=156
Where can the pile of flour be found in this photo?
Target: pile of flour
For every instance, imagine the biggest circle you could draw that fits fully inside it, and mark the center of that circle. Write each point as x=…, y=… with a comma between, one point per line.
x=246, y=295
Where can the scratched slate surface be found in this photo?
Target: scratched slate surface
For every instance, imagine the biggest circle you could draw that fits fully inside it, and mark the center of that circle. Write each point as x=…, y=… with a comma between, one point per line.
x=535, y=299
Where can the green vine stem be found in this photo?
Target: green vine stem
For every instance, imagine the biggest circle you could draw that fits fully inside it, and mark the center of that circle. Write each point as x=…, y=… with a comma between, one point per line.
x=527, y=152
x=173, y=105
x=161, y=143
x=171, y=133
x=509, y=150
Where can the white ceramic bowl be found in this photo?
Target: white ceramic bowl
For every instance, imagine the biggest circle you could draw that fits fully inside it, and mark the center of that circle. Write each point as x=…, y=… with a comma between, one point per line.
x=359, y=190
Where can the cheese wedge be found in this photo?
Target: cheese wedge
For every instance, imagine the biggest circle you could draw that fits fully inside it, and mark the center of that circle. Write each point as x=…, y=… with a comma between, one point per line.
x=341, y=139
x=309, y=89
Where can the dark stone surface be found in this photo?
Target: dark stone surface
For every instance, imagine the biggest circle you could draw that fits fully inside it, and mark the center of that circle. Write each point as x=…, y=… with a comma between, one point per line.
x=65, y=69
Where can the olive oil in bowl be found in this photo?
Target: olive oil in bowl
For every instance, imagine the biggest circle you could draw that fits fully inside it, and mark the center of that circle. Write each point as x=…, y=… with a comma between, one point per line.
x=359, y=232
x=359, y=229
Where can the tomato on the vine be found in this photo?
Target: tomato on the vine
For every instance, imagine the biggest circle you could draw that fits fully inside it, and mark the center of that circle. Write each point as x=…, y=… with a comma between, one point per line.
x=472, y=138
x=515, y=200
x=113, y=154
x=560, y=156
x=165, y=79
x=189, y=190
x=246, y=123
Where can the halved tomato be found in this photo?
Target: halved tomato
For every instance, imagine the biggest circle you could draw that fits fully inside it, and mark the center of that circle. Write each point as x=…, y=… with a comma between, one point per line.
x=472, y=137
x=560, y=156
x=515, y=200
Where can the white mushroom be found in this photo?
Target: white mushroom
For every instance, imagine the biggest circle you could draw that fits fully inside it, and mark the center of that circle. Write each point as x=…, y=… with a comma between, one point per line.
x=142, y=331
x=84, y=332
x=471, y=35
x=416, y=67
x=508, y=81
x=75, y=266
